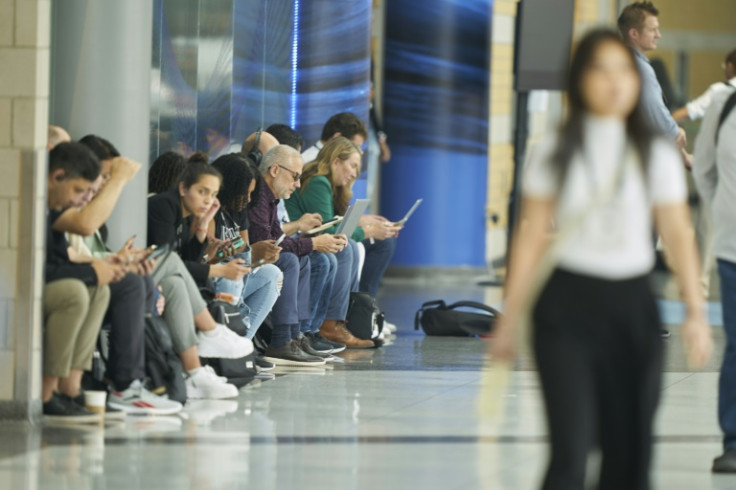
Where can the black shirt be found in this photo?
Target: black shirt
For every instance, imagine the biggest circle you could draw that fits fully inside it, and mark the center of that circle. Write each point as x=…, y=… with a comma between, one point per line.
x=58, y=265
x=166, y=225
x=229, y=225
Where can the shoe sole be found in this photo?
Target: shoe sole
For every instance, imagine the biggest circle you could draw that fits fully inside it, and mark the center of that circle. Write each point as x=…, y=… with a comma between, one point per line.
x=289, y=362
x=127, y=409
x=224, y=356
x=195, y=395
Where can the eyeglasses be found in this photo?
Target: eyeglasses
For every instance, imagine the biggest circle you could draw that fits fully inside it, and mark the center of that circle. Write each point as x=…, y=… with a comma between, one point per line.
x=294, y=175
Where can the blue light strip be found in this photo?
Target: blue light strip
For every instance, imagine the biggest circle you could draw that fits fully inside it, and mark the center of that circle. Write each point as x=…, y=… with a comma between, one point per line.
x=294, y=55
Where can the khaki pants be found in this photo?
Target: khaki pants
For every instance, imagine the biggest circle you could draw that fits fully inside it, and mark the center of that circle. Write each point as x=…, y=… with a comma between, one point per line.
x=73, y=314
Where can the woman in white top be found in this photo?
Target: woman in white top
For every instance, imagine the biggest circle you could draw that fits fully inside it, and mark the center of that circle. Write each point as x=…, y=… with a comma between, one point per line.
x=596, y=334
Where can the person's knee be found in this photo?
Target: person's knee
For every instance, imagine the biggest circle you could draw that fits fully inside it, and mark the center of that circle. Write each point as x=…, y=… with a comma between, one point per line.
x=288, y=263
x=173, y=285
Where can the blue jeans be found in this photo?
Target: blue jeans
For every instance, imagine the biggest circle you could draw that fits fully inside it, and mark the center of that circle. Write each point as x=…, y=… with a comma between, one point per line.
x=292, y=306
x=346, y=281
x=727, y=381
x=322, y=277
x=377, y=257
x=257, y=292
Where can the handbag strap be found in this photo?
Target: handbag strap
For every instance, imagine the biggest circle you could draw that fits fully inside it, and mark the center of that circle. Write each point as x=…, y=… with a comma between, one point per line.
x=474, y=304
x=429, y=304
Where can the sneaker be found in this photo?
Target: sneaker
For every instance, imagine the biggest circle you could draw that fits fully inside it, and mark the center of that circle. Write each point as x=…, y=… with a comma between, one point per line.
x=305, y=344
x=264, y=376
x=318, y=343
x=205, y=383
x=389, y=327
x=111, y=413
x=139, y=401
x=291, y=355
x=223, y=343
x=264, y=365
x=725, y=463
x=61, y=408
x=260, y=343
x=665, y=333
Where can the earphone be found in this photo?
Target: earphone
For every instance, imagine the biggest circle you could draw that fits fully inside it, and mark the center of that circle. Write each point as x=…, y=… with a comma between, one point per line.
x=255, y=154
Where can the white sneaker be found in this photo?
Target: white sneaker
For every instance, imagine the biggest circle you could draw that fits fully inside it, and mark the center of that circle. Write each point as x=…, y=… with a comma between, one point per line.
x=223, y=343
x=389, y=327
x=206, y=384
x=138, y=400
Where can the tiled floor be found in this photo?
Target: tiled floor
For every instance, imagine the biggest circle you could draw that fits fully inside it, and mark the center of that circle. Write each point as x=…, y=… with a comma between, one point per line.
x=416, y=414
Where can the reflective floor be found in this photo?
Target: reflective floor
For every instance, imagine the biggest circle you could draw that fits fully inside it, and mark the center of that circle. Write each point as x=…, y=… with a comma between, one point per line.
x=419, y=413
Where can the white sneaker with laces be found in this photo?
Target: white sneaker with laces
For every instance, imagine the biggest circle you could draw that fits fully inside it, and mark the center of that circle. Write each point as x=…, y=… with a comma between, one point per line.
x=223, y=343
x=138, y=400
x=205, y=383
x=388, y=326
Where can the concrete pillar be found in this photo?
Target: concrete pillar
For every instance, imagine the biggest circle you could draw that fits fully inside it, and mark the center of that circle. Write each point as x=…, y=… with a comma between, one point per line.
x=24, y=88
x=100, y=84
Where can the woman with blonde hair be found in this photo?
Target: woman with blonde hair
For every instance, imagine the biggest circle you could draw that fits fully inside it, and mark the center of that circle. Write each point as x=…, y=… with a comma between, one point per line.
x=326, y=188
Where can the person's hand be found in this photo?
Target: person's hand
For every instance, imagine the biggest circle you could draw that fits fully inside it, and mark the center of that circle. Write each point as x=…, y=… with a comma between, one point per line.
x=127, y=247
x=687, y=159
x=204, y=221
x=145, y=267
x=309, y=221
x=124, y=169
x=698, y=340
x=107, y=272
x=502, y=347
x=681, y=138
x=160, y=302
x=227, y=249
x=210, y=251
x=380, y=230
x=328, y=243
x=265, y=250
x=235, y=270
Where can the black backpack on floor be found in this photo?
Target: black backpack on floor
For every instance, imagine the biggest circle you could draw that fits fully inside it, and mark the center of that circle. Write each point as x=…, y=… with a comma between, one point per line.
x=365, y=318
x=437, y=318
x=241, y=371
x=163, y=367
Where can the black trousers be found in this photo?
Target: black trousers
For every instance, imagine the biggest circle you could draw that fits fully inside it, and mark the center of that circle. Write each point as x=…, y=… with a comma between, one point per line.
x=130, y=299
x=599, y=351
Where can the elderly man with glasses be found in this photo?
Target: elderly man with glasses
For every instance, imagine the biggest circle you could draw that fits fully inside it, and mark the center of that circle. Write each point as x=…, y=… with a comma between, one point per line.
x=281, y=172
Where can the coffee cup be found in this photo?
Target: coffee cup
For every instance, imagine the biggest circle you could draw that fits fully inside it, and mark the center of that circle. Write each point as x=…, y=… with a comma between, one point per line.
x=95, y=401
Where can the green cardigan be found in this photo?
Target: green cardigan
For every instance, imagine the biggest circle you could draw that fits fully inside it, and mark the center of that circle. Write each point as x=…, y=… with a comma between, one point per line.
x=316, y=197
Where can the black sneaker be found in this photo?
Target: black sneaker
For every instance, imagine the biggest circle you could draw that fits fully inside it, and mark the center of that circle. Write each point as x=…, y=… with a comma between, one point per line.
x=61, y=408
x=665, y=333
x=725, y=463
x=291, y=355
x=305, y=344
x=321, y=344
x=259, y=343
x=111, y=413
x=264, y=365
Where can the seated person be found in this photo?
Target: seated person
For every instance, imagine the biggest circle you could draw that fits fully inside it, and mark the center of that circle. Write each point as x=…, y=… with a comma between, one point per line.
x=257, y=292
x=286, y=136
x=323, y=272
x=172, y=215
x=326, y=188
x=75, y=296
x=280, y=171
x=164, y=172
x=345, y=124
x=130, y=299
x=380, y=244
